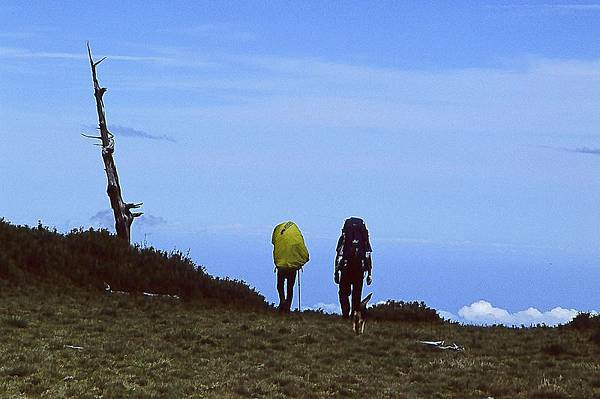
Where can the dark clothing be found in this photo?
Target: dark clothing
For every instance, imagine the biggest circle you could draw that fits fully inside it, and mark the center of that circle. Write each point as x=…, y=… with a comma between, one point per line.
x=285, y=301
x=353, y=264
x=351, y=283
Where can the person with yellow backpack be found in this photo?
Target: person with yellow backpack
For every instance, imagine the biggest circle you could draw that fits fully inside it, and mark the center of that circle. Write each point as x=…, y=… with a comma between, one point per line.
x=289, y=255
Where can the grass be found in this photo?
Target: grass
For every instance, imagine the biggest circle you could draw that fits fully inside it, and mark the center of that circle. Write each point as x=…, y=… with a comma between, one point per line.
x=62, y=336
x=140, y=347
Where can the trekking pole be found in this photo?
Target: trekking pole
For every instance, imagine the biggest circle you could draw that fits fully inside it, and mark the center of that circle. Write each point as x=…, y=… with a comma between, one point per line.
x=299, y=307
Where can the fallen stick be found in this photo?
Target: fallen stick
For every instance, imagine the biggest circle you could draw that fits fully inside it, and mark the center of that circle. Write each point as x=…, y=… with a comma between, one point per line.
x=79, y=348
x=110, y=291
x=441, y=345
x=160, y=295
x=151, y=294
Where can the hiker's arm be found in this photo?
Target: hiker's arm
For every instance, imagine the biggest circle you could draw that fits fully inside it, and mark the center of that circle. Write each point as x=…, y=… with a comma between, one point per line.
x=367, y=241
x=337, y=262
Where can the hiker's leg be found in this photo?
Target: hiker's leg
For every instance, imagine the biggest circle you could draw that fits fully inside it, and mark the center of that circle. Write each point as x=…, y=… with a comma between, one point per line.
x=280, y=291
x=357, y=284
x=291, y=280
x=344, y=293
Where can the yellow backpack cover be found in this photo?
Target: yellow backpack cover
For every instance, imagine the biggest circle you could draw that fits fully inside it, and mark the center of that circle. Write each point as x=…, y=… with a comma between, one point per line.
x=289, y=250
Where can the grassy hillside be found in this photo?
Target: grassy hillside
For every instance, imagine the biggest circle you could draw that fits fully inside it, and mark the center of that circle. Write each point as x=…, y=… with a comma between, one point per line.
x=89, y=259
x=211, y=345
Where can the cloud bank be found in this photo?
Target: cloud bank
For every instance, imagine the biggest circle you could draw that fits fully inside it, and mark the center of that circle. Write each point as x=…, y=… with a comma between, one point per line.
x=484, y=313
x=529, y=95
x=534, y=95
x=331, y=308
x=105, y=219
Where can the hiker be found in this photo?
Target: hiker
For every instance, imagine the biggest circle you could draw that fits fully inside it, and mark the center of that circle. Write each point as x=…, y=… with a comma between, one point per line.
x=353, y=259
x=289, y=255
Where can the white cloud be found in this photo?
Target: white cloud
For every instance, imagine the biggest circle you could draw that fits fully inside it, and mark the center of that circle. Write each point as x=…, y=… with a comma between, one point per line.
x=103, y=219
x=529, y=96
x=533, y=95
x=326, y=307
x=538, y=95
x=484, y=313
x=14, y=52
x=447, y=315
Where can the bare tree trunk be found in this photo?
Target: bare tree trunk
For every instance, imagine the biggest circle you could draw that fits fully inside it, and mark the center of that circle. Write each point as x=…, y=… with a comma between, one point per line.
x=122, y=211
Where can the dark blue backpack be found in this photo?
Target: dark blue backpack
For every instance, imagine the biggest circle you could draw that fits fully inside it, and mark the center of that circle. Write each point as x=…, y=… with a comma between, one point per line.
x=355, y=239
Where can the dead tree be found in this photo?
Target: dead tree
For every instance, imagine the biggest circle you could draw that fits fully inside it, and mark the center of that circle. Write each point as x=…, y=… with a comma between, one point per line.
x=122, y=210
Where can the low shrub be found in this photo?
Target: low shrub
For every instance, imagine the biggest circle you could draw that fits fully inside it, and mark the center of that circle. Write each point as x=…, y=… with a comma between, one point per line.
x=585, y=321
x=393, y=310
x=90, y=258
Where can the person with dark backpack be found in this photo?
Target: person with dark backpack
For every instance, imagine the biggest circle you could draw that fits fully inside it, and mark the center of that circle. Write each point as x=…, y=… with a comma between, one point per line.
x=353, y=259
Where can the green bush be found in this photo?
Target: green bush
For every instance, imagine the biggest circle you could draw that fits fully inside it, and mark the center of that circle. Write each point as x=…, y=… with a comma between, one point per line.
x=585, y=321
x=404, y=311
x=90, y=258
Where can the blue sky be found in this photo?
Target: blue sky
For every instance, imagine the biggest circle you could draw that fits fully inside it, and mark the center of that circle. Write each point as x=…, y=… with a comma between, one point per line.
x=465, y=135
